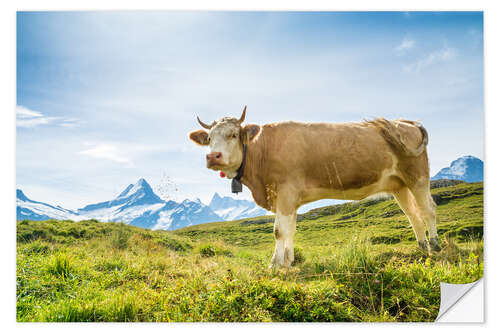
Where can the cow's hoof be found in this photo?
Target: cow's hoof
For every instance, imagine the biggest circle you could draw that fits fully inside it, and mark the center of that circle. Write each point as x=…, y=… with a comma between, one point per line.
x=424, y=246
x=274, y=266
x=289, y=258
x=435, y=244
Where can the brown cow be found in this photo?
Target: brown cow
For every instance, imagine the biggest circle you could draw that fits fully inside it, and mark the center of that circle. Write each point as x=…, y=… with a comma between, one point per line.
x=289, y=164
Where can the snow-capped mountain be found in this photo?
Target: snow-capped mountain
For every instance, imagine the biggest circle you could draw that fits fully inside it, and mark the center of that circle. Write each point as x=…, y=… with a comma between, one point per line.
x=231, y=209
x=174, y=216
x=135, y=201
x=466, y=168
x=138, y=205
x=39, y=211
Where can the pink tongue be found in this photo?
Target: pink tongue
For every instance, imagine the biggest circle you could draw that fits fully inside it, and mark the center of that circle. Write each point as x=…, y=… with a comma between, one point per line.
x=222, y=174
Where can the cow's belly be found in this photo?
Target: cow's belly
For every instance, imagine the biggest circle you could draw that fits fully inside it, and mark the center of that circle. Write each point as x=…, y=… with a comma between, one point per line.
x=387, y=183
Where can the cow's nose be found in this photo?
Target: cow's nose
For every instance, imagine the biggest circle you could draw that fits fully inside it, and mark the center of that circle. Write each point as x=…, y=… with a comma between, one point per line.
x=216, y=157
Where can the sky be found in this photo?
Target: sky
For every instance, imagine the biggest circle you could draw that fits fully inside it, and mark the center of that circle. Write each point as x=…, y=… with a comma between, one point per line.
x=106, y=98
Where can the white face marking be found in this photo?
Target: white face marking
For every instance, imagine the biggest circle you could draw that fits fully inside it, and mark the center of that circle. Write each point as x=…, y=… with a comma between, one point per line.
x=225, y=138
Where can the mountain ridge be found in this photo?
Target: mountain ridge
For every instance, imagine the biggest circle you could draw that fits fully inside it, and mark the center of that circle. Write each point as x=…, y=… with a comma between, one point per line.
x=233, y=209
x=138, y=205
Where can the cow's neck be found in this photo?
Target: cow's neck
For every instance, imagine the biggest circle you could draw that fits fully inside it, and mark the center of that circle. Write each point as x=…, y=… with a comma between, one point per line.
x=249, y=178
x=254, y=172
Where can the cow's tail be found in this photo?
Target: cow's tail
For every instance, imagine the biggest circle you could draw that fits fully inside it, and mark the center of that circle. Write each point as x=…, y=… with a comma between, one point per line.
x=392, y=135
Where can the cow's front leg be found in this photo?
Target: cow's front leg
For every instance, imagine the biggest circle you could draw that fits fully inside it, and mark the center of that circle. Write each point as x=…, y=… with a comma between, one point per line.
x=284, y=232
x=278, y=259
x=290, y=235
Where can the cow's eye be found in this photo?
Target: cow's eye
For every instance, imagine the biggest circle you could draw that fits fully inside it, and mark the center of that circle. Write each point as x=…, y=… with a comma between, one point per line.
x=233, y=136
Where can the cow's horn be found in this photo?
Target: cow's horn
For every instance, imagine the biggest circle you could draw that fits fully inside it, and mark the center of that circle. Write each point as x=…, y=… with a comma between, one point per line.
x=205, y=125
x=242, y=118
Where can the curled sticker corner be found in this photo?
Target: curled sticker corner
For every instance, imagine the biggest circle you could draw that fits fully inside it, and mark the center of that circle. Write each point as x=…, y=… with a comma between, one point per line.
x=451, y=294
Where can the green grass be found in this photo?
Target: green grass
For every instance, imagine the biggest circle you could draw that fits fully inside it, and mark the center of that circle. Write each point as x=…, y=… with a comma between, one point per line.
x=355, y=262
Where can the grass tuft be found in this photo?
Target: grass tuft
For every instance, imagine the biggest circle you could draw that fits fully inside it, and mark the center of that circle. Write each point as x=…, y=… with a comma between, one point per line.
x=120, y=237
x=299, y=256
x=60, y=265
x=36, y=247
x=210, y=250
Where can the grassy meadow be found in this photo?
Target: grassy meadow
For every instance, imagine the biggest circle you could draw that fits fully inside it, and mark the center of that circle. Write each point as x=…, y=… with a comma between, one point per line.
x=356, y=261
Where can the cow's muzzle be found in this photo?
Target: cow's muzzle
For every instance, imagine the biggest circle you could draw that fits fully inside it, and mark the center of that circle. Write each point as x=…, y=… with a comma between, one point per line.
x=214, y=160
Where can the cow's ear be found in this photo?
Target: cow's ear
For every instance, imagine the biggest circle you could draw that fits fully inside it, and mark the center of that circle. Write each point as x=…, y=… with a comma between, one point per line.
x=249, y=132
x=199, y=137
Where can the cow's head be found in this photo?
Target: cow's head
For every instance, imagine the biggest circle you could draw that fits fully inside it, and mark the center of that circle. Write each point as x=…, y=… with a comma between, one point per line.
x=225, y=138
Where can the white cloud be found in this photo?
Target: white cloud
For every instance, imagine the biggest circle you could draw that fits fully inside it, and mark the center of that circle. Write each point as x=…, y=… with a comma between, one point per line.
x=435, y=57
x=69, y=122
x=28, y=118
x=108, y=152
x=25, y=113
x=405, y=45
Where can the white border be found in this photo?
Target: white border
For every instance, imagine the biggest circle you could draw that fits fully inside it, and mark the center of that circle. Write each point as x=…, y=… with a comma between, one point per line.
x=7, y=132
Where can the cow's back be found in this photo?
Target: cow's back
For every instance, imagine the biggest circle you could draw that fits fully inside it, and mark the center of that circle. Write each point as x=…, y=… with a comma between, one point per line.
x=344, y=156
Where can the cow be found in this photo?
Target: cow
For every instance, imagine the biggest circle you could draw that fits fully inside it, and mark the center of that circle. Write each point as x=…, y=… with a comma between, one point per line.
x=289, y=164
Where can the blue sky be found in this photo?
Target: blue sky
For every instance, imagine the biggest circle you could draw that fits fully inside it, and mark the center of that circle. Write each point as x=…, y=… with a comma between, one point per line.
x=105, y=98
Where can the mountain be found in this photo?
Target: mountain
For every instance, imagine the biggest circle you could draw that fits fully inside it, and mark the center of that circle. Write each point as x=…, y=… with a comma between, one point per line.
x=27, y=209
x=139, y=194
x=135, y=201
x=466, y=168
x=175, y=216
x=137, y=205
x=231, y=209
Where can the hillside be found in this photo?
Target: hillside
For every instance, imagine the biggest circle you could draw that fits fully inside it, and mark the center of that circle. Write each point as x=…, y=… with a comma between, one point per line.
x=355, y=262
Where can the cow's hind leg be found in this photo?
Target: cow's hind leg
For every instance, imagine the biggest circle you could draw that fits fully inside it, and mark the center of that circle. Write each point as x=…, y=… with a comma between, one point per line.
x=427, y=208
x=407, y=202
x=284, y=232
